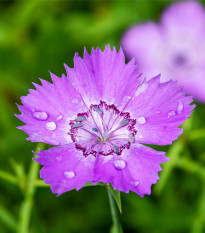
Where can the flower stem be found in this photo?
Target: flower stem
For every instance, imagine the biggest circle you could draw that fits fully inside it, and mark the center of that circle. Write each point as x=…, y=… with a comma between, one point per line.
x=26, y=206
x=8, y=177
x=115, y=214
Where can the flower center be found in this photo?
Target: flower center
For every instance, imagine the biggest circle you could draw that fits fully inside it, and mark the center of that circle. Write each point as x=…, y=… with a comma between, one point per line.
x=179, y=60
x=103, y=129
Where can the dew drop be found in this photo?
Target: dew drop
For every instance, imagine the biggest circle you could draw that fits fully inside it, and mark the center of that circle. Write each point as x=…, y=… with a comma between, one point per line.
x=124, y=122
x=171, y=113
x=180, y=107
x=59, y=158
x=51, y=125
x=95, y=130
x=59, y=117
x=40, y=115
x=98, y=110
x=119, y=164
x=116, y=149
x=141, y=120
x=126, y=99
x=77, y=125
x=157, y=111
x=141, y=89
x=69, y=174
x=80, y=118
x=75, y=101
x=135, y=183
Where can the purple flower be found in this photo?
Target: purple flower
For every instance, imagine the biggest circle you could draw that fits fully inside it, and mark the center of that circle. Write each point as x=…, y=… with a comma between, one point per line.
x=97, y=117
x=175, y=47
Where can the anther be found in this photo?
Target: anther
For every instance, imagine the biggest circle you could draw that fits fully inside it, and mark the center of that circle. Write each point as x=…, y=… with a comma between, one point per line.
x=77, y=125
x=80, y=118
x=116, y=149
x=124, y=122
x=98, y=110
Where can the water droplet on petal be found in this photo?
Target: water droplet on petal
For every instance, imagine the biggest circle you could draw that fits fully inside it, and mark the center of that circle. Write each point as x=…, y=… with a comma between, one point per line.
x=141, y=120
x=77, y=125
x=171, y=113
x=141, y=89
x=124, y=122
x=157, y=111
x=180, y=107
x=59, y=158
x=119, y=164
x=116, y=149
x=131, y=137
x=126, y=99
x=75, y=101
x=69, y=174
x=80, y=118
x=135, y=183
x=98, y=110
x=51, y=125
x=59, y=117
x=95, y=130
x=40, y=115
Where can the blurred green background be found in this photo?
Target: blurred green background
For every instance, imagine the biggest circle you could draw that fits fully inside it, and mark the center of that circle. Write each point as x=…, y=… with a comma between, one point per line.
x=39, y=36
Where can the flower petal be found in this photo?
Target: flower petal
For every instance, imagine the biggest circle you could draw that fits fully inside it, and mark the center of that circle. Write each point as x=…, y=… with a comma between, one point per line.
x=184, y=17
x=159, y=109
x=195, y=84
x=47, y=110
x=136, y=169
x=104, y=76
x=65, y=168
x=175, y=47
x=145, y=43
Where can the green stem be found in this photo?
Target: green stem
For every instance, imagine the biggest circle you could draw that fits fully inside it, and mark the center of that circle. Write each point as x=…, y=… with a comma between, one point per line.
x=26, y=206
x=115, y=214
x=8, y=177
x=40, y=183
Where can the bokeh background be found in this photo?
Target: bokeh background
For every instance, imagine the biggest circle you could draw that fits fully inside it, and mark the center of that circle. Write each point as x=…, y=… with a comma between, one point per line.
x=39, y=36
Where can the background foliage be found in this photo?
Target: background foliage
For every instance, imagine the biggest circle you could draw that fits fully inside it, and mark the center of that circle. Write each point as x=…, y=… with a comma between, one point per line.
x=37, y=36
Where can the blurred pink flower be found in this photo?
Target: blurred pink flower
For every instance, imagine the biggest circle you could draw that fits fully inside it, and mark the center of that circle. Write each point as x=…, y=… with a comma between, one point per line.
x=175, y=47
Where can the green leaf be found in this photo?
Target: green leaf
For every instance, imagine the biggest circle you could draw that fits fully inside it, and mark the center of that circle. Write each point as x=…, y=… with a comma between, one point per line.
x=17, y=168
x=19, y=172
x=116, y=195
x=173, y=153
x=8, y=177
x=7, y=218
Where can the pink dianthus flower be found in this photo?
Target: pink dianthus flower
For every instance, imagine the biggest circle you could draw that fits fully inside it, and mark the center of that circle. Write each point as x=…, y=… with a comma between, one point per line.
x=98, y=117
